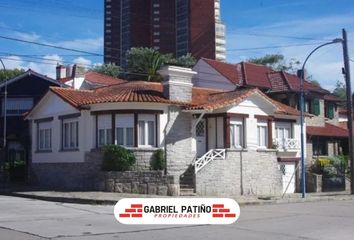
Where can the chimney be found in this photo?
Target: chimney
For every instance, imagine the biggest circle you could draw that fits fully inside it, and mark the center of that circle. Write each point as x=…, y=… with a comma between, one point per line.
x=78, y=71
x=61, y=71
x=177, y=83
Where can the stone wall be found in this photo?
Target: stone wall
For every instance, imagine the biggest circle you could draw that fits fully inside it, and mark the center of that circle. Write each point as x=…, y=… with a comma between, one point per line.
x=148, y=182
x=79, y=176
x=241, y=173
x=178, y=142
x=313, y=182
x=68, y=176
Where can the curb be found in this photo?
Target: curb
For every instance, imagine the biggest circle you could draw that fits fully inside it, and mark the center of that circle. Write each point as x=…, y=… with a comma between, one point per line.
x=113, y=202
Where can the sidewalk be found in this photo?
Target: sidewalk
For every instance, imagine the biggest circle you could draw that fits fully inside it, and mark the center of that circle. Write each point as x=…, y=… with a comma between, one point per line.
x=107, y=198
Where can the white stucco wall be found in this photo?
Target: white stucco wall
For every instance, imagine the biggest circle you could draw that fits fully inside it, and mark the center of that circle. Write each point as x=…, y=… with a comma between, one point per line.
x=52, y=106
x=208, y=77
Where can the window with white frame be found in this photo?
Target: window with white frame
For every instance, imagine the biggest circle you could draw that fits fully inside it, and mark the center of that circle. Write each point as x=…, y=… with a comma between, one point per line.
x=104, y=128
x=262, y=132
x=44, y=136
x=70, y=133
x=125, y=130
x=17, y=106
x=236, y=133
x=147, y=130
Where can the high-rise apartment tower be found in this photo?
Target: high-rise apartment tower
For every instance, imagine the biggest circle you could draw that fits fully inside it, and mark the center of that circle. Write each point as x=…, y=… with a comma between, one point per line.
x=170, y=26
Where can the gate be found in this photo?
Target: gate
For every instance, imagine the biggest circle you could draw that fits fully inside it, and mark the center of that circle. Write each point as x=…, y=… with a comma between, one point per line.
x=333, y=178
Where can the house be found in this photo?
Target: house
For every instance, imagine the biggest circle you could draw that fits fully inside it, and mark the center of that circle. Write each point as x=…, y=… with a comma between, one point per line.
x=225, y=137
x=324, y=136
x=24, y=91
x=75, y=76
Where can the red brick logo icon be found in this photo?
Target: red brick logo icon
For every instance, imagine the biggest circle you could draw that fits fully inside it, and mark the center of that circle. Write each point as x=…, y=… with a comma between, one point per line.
x=219, y=211
x=135, y=211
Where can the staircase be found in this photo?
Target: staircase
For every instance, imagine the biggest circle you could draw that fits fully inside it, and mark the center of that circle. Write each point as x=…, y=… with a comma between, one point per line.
x=213, y=154
x=187, y=182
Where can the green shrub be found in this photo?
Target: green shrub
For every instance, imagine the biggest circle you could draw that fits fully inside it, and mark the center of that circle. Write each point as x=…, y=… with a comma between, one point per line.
x=159, y=160
x=116, y=158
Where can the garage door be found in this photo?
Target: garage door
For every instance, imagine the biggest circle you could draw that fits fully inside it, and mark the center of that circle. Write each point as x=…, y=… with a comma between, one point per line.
x=288, y=170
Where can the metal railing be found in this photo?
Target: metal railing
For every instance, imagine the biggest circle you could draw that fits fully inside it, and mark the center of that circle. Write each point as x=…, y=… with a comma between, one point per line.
x=213, y=154
x=286, y=143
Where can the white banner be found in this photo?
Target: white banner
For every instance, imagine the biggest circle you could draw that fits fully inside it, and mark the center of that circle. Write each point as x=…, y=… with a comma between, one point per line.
x=177, y=211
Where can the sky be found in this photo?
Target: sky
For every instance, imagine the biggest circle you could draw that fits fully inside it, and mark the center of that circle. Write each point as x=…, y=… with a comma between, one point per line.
x=254, y=28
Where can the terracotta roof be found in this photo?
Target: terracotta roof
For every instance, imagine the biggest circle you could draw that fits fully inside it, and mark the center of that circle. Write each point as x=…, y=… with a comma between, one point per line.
x=250, y=74
x=256, y=75
x=101, y=79
x=142, y=91
x=329, y=130
x=224, y=99
x=331, y=97
x=278, y=82
x=135, y=91
x=228, y=70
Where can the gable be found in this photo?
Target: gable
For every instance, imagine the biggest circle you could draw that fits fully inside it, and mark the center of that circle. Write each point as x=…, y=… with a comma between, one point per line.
x=208, y=77
x=255, y=104
x=51, y=105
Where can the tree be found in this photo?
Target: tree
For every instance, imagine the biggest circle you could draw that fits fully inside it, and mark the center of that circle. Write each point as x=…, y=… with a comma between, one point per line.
x=109, y=69
x=143, y=63
x=277, y=62
x=10, y=73
x=341, y=92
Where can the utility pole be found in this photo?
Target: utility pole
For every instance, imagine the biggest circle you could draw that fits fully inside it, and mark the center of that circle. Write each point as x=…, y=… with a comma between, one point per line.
x=349, y=106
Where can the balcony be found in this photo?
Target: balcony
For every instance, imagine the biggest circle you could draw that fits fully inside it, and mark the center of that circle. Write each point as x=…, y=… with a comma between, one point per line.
x=286, y=144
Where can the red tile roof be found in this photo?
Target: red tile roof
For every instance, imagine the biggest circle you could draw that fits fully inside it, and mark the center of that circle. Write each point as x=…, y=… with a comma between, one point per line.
x=229, y=71
x=329, y=130
x=135, y=91
x=224, y=99
x=101, y=79
x=141, y=91
x=256, y=75
x=250, y=74
x=331, y=97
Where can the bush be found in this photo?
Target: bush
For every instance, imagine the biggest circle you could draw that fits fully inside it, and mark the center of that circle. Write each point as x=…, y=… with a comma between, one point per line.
x=116, y=158
x=332, y=166
x=159, y=160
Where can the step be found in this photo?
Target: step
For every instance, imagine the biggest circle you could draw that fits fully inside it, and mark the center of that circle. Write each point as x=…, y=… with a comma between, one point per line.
x=187, y=192
x=186, y=186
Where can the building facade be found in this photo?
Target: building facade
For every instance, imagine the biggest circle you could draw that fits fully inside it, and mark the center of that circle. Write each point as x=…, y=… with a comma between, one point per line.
x=226, y=138
x=169, y=26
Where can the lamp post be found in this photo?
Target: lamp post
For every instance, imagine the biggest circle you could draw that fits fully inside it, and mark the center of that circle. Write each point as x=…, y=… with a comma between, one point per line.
x=301, y=74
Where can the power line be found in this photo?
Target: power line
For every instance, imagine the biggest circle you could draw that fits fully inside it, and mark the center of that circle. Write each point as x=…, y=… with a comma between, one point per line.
x=49, y=45
x=270, y=47
x=276, y=35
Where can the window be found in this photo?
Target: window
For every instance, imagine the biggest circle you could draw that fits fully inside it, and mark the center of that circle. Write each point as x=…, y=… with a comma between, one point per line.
x=70, y=133
x=236, y=133
x=262, y=132
x=146, y=130
x=104, y=127
x=125, y=130
x=330, y=110
x=17, y=106
x=44, y=136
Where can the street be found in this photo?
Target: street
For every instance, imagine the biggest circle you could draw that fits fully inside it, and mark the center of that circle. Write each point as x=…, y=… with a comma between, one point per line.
x=33, y=219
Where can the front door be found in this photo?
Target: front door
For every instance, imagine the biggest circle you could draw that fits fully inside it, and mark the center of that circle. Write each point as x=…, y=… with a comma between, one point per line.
x=200, y=133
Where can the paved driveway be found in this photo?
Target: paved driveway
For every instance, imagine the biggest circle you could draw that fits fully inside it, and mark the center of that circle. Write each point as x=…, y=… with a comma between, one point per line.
x=34, y=219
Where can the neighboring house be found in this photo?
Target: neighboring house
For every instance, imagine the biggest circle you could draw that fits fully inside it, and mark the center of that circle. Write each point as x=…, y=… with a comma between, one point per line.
x=76, y=77
x=24, y=91
x=320, y=104
x=226, y=136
